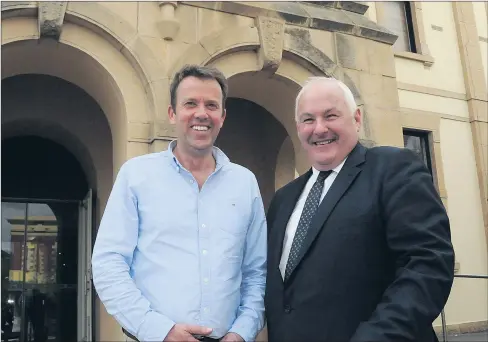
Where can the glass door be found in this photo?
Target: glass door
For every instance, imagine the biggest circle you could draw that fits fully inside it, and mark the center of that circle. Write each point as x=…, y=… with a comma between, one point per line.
x=13, y=260
x=39, y=271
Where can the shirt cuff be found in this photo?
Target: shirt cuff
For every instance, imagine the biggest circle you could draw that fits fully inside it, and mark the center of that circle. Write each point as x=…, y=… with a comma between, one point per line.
x=245, y=327
x=155, y=327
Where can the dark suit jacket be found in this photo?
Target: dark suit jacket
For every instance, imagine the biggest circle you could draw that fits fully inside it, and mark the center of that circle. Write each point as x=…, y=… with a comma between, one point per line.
x=377, y=264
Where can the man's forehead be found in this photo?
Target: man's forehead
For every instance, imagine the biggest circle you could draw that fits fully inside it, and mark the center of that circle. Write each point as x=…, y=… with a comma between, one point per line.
x=201, y=89
x=327, y=99
x=323, y=90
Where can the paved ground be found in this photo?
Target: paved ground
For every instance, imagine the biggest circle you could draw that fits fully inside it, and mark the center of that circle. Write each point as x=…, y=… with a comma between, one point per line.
x=473, y=337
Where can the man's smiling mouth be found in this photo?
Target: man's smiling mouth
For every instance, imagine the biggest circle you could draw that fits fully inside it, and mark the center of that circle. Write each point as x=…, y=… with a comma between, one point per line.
x=200, y=128
x=324, y=142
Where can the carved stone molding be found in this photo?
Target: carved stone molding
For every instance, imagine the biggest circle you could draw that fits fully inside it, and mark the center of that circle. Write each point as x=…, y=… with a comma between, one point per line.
x=168, y=26
x=51, y=18
x=271, y=37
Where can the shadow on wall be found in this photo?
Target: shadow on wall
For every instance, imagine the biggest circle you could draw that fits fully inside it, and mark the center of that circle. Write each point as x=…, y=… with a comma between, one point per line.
x=252, y=137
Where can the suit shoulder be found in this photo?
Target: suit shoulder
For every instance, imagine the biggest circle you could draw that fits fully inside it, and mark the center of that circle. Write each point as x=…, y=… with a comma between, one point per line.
x=389, y=154
x=384, y=151
x=394, y=160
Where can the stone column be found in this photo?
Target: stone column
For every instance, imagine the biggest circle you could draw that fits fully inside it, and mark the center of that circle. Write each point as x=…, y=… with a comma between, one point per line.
x=476, y=93
x=285, y=164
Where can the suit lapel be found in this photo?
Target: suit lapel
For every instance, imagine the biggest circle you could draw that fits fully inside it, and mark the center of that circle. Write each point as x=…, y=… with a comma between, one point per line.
x=343, y=181
x=290, y=198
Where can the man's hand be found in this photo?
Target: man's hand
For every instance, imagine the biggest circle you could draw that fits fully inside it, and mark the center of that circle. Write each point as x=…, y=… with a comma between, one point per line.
x=232, y=337
x=185, y=332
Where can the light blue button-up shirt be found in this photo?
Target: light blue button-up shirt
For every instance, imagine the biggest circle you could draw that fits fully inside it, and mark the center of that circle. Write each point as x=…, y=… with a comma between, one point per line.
x=168, y=252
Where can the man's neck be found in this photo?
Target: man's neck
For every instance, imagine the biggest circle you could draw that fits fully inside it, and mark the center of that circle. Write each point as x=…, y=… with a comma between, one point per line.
x=195, y=162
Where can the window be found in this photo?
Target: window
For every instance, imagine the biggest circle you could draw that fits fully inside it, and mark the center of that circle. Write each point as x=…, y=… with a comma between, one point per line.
x=397, y=17
x=418, y=142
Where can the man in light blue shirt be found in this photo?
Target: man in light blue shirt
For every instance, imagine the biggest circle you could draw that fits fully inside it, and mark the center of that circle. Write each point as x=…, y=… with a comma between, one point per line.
x=180, y=254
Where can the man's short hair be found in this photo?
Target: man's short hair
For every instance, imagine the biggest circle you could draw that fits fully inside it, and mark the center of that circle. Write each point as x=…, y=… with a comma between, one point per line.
x=348, y=95
x=200, y=72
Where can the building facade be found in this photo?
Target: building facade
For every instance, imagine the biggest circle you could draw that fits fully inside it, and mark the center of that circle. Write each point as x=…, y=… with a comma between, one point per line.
x=85, y=87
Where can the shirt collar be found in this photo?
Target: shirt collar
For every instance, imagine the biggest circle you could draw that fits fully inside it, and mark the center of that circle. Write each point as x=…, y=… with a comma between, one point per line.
x=336, y=169
x=220, y=158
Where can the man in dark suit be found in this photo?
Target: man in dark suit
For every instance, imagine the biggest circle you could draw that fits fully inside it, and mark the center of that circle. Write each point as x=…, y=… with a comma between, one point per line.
x=359, y=247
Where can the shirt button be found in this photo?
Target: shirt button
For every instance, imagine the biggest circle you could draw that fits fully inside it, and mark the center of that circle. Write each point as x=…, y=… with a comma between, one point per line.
x=204, y=252
x=203, y=226
x=191, y=181
x=205, y=309
x=205, y=280
x=287, y=309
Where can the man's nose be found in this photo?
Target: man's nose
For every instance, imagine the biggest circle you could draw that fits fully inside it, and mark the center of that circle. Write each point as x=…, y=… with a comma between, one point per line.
x=321, y=127
x=201, y=112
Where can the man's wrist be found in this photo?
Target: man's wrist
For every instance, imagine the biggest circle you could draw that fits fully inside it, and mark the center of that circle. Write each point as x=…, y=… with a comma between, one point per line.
x=155, y=327
x=244, y=334
x=233, y=336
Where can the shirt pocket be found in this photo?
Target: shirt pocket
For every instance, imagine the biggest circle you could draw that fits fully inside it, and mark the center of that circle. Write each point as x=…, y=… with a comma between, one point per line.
x=233, y=217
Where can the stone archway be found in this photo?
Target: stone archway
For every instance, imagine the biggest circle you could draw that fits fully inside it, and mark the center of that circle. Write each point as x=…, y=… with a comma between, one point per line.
x=119, y=70
x=54, y=115
x=88, y=58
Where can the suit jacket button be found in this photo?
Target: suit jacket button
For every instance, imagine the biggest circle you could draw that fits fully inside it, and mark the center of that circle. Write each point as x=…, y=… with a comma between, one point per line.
x=287, y=309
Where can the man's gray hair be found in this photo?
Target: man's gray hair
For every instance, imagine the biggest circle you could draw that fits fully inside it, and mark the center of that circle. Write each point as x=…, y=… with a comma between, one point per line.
x=348, y=96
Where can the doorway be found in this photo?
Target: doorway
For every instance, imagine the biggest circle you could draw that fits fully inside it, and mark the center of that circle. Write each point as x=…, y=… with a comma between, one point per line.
x=46, y=229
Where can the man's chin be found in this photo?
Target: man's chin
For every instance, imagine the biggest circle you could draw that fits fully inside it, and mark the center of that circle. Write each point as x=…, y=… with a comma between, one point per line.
x=201, y=146
x=322, y=158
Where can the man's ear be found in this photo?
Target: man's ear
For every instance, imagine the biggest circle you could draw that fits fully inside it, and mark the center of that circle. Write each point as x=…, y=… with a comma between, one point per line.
x=171, y=114
x=224, y=115
x=358, y=119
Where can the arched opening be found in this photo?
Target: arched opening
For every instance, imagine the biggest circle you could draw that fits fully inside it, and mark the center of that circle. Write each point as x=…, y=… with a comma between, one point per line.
x=122, y=79
x=259, y=131
x=252, y=137
x=56, y=152
x=42, y=186
x=34, y=167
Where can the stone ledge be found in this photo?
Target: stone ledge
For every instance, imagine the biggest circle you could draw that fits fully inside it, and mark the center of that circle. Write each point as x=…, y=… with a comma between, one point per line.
x=463, y=328
x=426, y=59
x=19, y=8
x=351, y=6
x=305, y=15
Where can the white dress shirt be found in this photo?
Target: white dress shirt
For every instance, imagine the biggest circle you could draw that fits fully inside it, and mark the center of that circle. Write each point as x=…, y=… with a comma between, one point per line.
x=292, y=225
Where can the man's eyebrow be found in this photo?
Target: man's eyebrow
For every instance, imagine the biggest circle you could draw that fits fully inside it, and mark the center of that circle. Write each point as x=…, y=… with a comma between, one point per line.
x=324, y=112
x=329, y=110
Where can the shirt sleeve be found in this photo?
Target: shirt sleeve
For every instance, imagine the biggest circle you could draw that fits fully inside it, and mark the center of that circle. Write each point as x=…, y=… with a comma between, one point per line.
x=250, y=316
x=111, y=261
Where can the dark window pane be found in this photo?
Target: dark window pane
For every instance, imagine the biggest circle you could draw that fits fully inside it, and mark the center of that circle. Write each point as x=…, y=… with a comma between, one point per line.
x=396, y=17
x=418, y=142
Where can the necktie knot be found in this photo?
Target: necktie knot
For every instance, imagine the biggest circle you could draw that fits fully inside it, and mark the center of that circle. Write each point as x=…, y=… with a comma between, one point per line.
x=323, y=175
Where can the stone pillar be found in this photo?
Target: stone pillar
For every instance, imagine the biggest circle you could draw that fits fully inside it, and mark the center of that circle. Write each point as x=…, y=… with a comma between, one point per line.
x=476, y=93
x=285, y=164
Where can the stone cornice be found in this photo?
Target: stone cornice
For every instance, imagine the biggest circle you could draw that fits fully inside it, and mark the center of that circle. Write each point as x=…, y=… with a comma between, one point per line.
x=351, y=6
x=322, y=16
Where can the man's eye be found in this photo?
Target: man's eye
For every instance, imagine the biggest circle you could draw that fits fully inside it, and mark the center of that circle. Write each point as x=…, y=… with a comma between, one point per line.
x=190, y=103
x=212, y=106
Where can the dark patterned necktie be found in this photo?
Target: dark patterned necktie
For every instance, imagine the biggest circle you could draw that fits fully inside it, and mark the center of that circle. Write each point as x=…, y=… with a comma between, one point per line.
x=309, y=210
